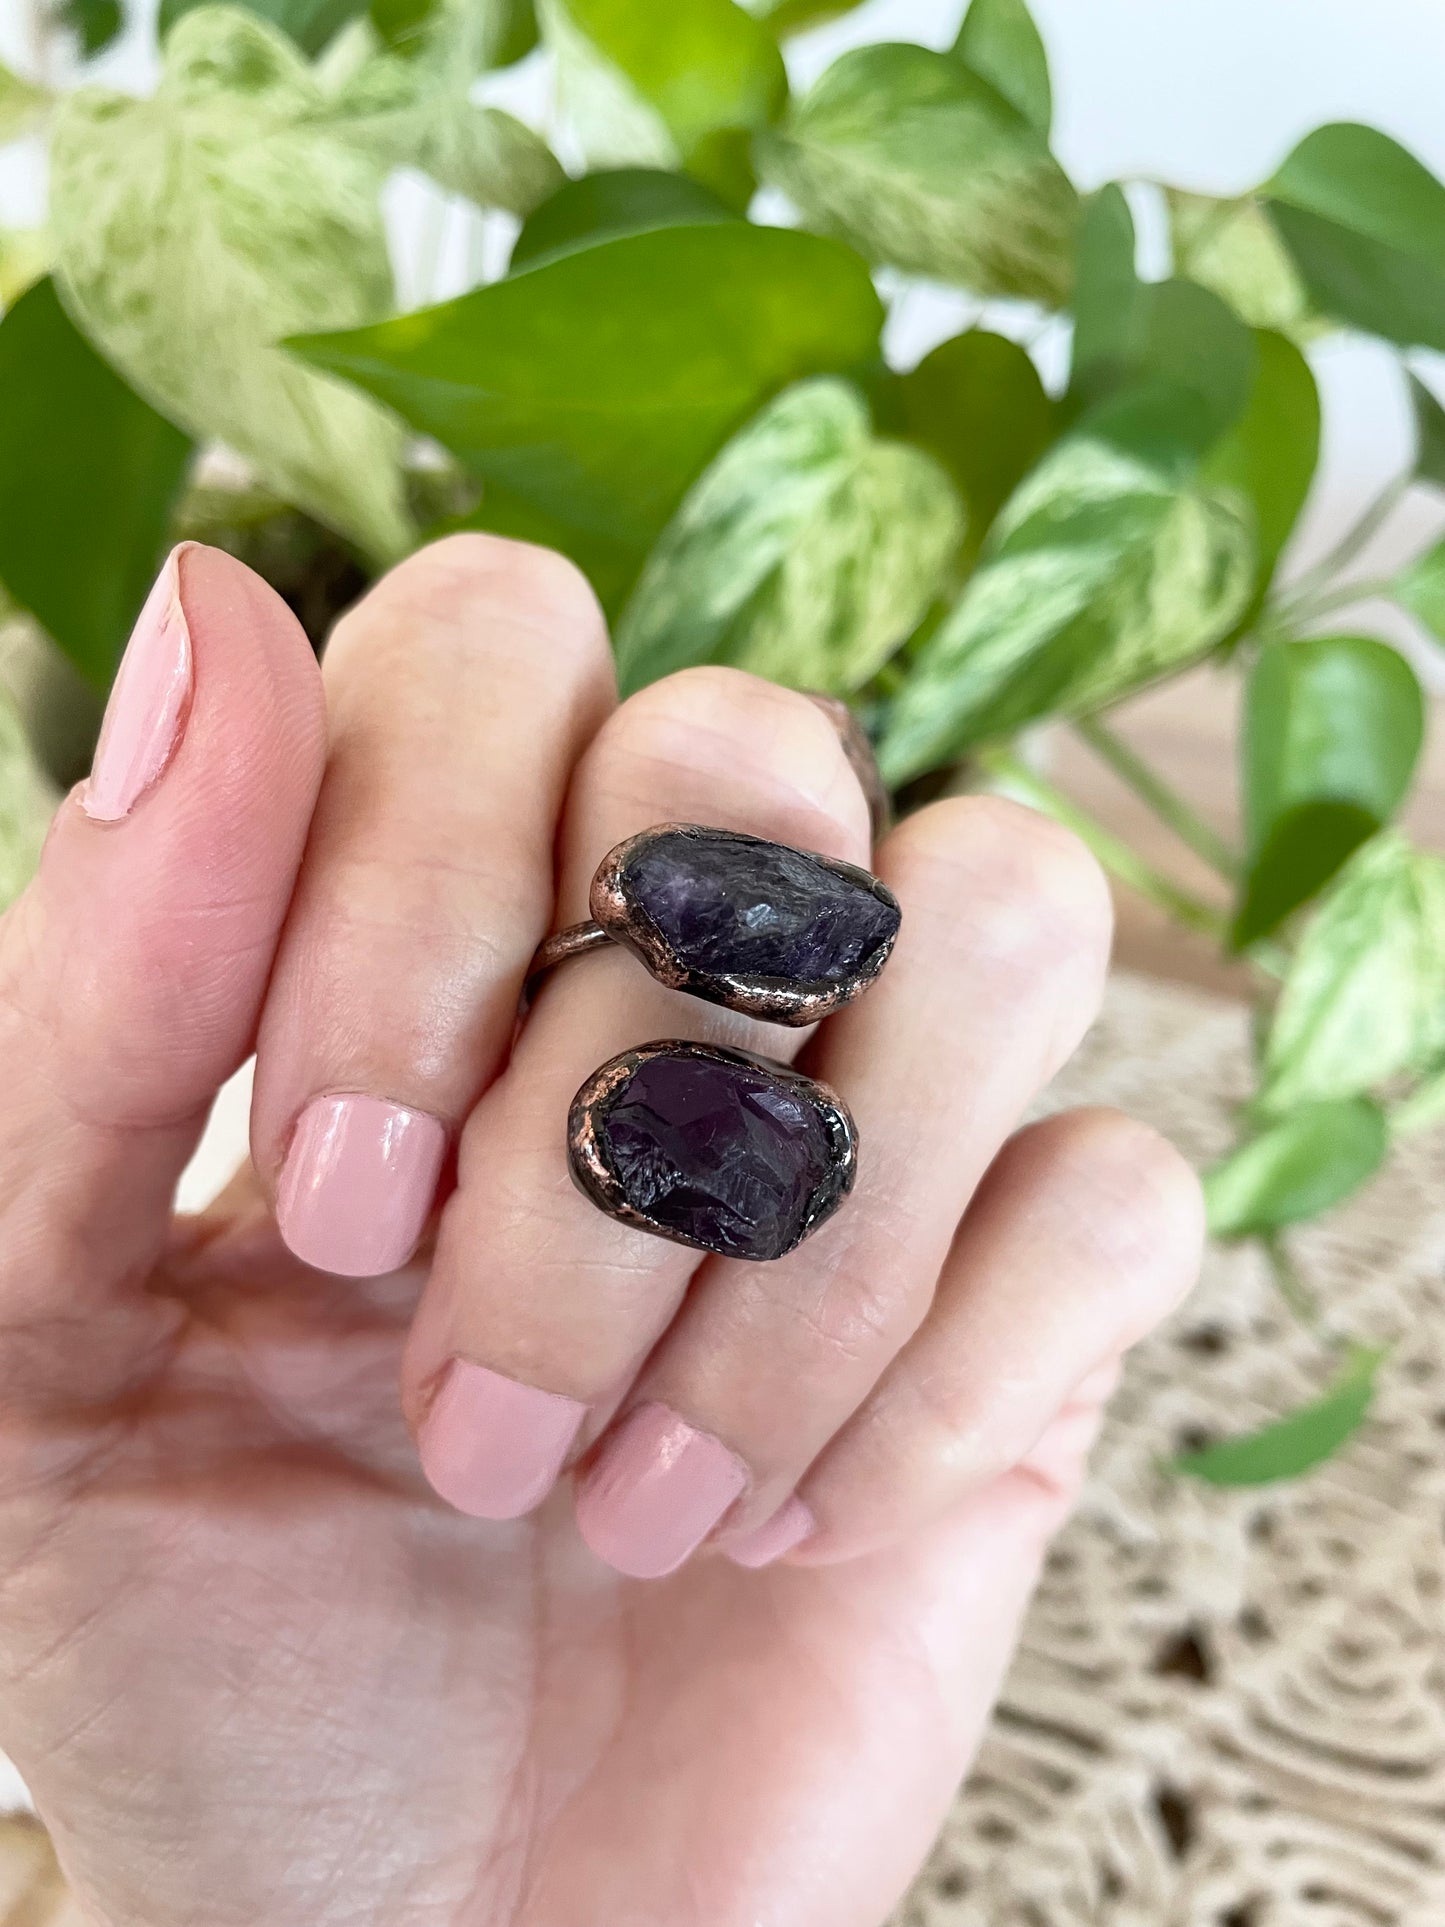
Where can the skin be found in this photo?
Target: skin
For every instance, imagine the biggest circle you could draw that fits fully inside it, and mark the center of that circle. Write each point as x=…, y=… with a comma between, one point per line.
x=252, y=1668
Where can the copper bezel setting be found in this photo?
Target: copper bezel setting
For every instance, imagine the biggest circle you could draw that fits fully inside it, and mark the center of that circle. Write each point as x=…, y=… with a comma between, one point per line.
x=596, y=1179
x=776, y=1000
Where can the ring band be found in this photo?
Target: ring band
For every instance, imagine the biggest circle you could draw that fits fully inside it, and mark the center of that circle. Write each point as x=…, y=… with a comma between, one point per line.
x=759, y=927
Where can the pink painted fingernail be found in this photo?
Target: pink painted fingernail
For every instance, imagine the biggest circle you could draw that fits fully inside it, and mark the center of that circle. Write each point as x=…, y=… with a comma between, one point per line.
x=788, y=1527
x=492, y=1446
x=358, y=1183
x=147, y=705
x=656, y=1492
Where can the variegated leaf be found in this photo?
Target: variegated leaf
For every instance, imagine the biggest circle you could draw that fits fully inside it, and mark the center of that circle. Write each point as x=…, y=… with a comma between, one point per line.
x=22, y=105
x=923, y=165
x=1364, y=1001
x=614, y=125
x=196, y=229
x=1104, y=570
x=808, y=551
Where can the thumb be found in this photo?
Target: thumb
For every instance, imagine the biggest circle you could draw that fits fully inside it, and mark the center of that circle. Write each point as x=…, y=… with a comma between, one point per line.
x=133, y=968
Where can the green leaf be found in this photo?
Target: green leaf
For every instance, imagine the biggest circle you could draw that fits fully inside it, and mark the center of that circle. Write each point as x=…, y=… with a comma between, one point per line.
x=310, y=23
x=1333, y=728
x=1129, y=332
x=26, y=806
x=576, y=388
x=807, y=552
x=610, y=567
x=95, y=23
x=1364, y=1001
x=22, y=106
x=977, y=403
x=623, y=200
x=1107, y=569
x=1364, y=222
x=89, y=475
x=414, y=109
x=1271, y=454
x=1309, y=1161
x=1429, y=433
x=1230, y=247
x=195, y=229
x=999, y=40
x=1296, y=1444
x=1421, y=589
x=923, y=165
x=650, y=85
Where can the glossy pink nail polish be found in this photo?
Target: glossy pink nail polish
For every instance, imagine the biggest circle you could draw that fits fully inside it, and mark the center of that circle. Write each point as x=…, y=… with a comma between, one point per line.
x=656, y=1492
x=147, y=707
x=358, y=1183
x=788, y=1527
x=493, y=1447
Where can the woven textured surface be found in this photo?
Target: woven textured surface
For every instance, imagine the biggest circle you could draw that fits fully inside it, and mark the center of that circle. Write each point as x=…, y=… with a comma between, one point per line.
x=1228, y=1710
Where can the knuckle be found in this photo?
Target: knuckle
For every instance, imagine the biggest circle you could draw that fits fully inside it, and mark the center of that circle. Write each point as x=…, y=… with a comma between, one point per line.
x=745, y=725
x=471, y=590
x=1046, y=889
x=1138, y=1202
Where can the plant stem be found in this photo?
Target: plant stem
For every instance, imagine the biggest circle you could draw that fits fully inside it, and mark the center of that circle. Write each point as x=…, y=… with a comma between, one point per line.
x=1291, y=1287
x=1017, y=779
x=1168, y=806
x=1343, y=596
x=1355, y=539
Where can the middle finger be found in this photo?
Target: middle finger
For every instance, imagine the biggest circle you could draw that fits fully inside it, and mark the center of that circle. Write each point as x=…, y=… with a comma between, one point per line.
x=540, y=1308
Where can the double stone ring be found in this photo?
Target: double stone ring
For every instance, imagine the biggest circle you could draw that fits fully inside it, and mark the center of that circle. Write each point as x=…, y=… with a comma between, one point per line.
x=721, y=1149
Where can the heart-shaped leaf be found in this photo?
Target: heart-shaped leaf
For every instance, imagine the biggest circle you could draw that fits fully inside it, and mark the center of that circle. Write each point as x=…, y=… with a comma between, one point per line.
x=1107, y=568
x=807, y=552
x=923, y=165
x=575, y=387
x=1364, y=1001
x=1309, y=1161
x=1332, y=731
x=195, y=229
x=999, y=40
x=977, y=403
x=1364, y=223
x=414, y=109
x=1129, y=332
x=89, y=475
x=1294, y=1445
x=622, y=200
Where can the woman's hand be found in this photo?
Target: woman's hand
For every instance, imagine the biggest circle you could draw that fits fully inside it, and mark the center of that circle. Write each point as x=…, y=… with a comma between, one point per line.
x=257, y=1673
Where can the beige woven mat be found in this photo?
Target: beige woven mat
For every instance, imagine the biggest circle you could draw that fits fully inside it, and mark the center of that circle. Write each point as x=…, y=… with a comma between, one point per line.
x=1227, y=1711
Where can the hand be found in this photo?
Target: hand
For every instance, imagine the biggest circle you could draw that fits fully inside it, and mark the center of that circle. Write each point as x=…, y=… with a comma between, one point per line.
x=254, y=1669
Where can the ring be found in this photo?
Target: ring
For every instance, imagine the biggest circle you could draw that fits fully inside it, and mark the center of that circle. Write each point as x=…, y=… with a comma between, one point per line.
x=759, y=927
x=712, y=1148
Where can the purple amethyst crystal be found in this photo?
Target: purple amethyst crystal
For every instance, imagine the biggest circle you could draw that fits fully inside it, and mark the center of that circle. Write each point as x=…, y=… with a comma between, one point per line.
x=731, y=907
x=713, y=1147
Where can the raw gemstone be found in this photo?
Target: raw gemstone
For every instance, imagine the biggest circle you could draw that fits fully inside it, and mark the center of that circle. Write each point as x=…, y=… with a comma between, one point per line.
x=721, y=1151
x=739, y=906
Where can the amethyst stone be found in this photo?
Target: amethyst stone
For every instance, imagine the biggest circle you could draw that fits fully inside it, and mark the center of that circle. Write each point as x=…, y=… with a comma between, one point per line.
x=753, y=924
x=713, y=1148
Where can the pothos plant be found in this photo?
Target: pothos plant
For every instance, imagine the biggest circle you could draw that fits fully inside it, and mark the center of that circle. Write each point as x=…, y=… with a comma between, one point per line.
x=683, y=385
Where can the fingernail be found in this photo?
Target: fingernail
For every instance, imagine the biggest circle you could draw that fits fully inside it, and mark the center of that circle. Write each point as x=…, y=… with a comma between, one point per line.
x=493, y=1447
x=358, y=1184
x=656, y=1492
x=788, y=1527
x=147, y=705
